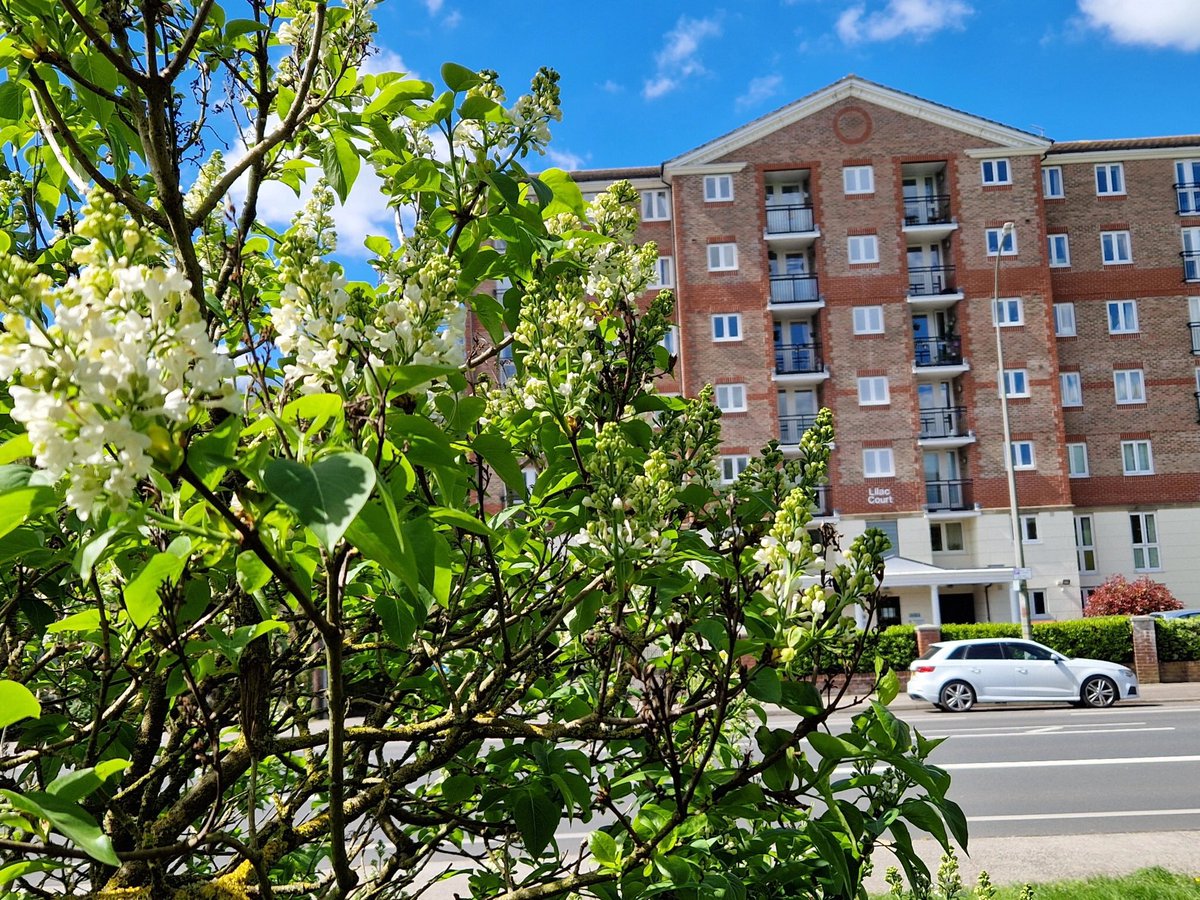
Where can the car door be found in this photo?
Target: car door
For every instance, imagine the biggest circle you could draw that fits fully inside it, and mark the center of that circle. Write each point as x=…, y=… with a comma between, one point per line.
x=983, y=666
x=1036, y=676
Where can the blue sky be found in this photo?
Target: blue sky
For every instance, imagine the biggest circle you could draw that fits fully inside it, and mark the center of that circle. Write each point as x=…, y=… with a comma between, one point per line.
x=645, y=81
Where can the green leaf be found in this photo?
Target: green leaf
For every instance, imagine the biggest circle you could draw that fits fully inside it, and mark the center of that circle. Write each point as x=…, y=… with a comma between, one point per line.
x=24, y=503
x=831, y=747
x=536, y=817
x=27, y=867
x=326, y=496
x=398, y=616
x=889, y=687
x=74, y=786
x=237, y=27
x=458, y=78
x=765, y=685
x=458, y=788
x=395, y=96
x=566, y=194
x=604, y=848
x=16, y=703
x=90, y=553
x=88, y=620
x=142, y=597
x=318, y=409
x=252, y=573
x=14, y=476
x=924, y=817
x=377, y=535
x=12, y=98
x=18, y=447
x=403, y=379
x=498, y=454
x=477, y=106
x=831, y=851
x=460, y=520
x=340, y=162
x=68, y=818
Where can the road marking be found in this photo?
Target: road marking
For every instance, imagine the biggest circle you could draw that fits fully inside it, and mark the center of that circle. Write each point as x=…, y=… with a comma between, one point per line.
x=1060, y=763
x=1024, y=817
x=1042, y=731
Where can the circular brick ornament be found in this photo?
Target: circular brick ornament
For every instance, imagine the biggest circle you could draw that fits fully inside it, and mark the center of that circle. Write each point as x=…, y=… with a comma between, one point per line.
x=852, y=125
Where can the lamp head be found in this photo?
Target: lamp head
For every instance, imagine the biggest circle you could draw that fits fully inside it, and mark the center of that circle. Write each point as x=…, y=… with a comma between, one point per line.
x=1009, y=228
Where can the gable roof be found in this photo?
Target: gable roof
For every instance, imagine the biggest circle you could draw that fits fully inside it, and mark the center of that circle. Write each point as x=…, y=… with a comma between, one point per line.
x=989, y=132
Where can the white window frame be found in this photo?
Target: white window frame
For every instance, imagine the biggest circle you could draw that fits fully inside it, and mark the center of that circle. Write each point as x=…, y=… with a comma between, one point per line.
x=726, y=327
x=1147, y=556
x=1132, y=382
x=1070, y=388
x=670, y=340
x=718, y=188
x=1058, y=250
x=1127, y=316
x=1085, y=553
x=873, y=390
x=993, y=238
x=1029, y=530
x=664, y=273
x=878, y=462
x=944, y=532
x=1077, y=460
x=657, y=203
x=858, y=179
x=725, y=258
x=730, y=397
x=1141, y=454
x=1064, y=320
x=1108, y=170
x=867, y=249
x=1116, y=248
x=1023, y=455
x=868, y=320
x=995, y=171
x=1049, y=175
x=732, y=466
x=1008, y=312
x=1011, y=379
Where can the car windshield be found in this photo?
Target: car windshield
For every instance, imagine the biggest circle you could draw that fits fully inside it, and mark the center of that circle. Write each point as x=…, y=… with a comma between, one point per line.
x=931, y=652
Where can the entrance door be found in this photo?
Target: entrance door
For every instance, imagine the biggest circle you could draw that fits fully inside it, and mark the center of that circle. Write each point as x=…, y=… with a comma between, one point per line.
x=957, y=609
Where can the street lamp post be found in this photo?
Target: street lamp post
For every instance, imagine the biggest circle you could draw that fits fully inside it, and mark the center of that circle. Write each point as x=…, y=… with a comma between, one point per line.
x=1020, y=599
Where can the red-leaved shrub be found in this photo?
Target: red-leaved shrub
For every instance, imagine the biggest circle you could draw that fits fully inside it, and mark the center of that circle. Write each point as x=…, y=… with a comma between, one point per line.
x=1119, y=597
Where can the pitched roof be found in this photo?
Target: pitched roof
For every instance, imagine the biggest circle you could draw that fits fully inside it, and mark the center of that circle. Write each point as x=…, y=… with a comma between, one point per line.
x=610, y=175
x=1150, y=143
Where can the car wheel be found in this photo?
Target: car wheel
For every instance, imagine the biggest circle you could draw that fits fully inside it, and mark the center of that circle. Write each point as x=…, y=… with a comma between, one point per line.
x=1098, y=692
x=956, y=696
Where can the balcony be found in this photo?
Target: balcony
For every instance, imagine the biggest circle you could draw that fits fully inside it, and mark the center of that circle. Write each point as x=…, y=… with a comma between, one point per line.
x=952, y=495
x=932, y=287
x=945, y=426
x=788, y=290
x=1187, y=196
x=1194, y=328
x=790, y=225
x=938, y=351
x=799, y=364
x=821, y=502
x=1191, y=265
x=792, y=428
x=928, y=217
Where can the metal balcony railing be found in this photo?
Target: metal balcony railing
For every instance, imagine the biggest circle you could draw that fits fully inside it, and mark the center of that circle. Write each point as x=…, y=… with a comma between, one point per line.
x=1194, y=328
x=1187, y=194
x=941, y=351
x=792, y=428
x=933, y=209
x=947, y=495
x=1191, y=265
x=797, y=359
x=794, y=289
x=929, y=281
x=790, y=218
x=944, y=422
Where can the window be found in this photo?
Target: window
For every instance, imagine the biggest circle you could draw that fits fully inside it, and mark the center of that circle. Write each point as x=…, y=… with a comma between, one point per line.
x=1052, y=182
x=878, y=463
x=1187, y=186
x=1136, y=458
x=1122, y=316
x=1130, y=386
x=1115, y=249
x=859, y=179
x=1022, y=455
x=1029, y=530
x=891, y=530
x=1110, y=179
x=995, y=171
x=731, y=397
x=1071, y=389
x=732, y=467
x=873, y=391
x=994, y=236
x=862, y=248
x=1016, y=383
x=1085, y=544
x=1077, y=460
x=1037, y=602
x=727, y=327
x=664, y=273
x=1064, y=319
x=655, y=206
x=718, y=188
x=670, y=340
x=1008, y=311
x=722, y=257
x=868, y=320
x=1058, y=250
x=946, y=537
x=1191, y=253
x=1143, y=534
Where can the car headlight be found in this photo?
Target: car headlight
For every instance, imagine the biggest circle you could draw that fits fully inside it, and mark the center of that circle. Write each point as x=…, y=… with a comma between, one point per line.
x=1129, y=673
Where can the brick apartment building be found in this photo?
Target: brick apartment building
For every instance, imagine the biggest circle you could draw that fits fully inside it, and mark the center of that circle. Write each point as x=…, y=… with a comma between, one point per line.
x=841, y=252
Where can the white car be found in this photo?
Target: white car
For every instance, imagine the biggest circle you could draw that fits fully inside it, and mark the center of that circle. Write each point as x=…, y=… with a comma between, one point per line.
x=955, y=675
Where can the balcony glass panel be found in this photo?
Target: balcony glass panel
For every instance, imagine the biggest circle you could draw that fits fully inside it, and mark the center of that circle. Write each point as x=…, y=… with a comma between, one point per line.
x=792, y=428
x=940, y=351
x=933, y=209
x=789, y=218
x=953, y=494
x=794, y=289
x=795, y=359
x=944, y=422
x=929, y=281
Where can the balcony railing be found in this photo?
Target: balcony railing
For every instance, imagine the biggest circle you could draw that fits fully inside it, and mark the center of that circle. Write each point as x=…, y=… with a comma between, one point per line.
x=931, y=210
x=794, y=289
x=1187, y=193
x=790, y=218
x=792, y=428
x=1191, y=265
x=821, y=501
x=929, y=281
x=941, y=351
x=1194, y=328
x=797, y=359
x=952, y=494
x=944, y=422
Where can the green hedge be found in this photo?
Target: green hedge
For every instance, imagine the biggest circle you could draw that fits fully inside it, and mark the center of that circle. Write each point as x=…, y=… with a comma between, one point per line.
x=1178, y=640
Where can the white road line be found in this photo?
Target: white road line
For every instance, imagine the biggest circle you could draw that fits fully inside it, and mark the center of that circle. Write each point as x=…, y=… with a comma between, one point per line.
x=1043, y=732
x=1062, y=763
x=1116, y=813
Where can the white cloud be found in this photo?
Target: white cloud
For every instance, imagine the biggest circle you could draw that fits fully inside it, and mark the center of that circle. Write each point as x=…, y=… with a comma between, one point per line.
x=679, y=59
x=758, y=90
x=1155, y=23
x=565, y=159
x=611, y=87
x=385, y=60
x=452, y=20
x=433, y=6
x=918, y=18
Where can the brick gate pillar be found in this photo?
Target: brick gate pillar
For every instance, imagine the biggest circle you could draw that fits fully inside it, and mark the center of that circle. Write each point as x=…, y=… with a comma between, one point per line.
x=931, y=634
x=1145, y=649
